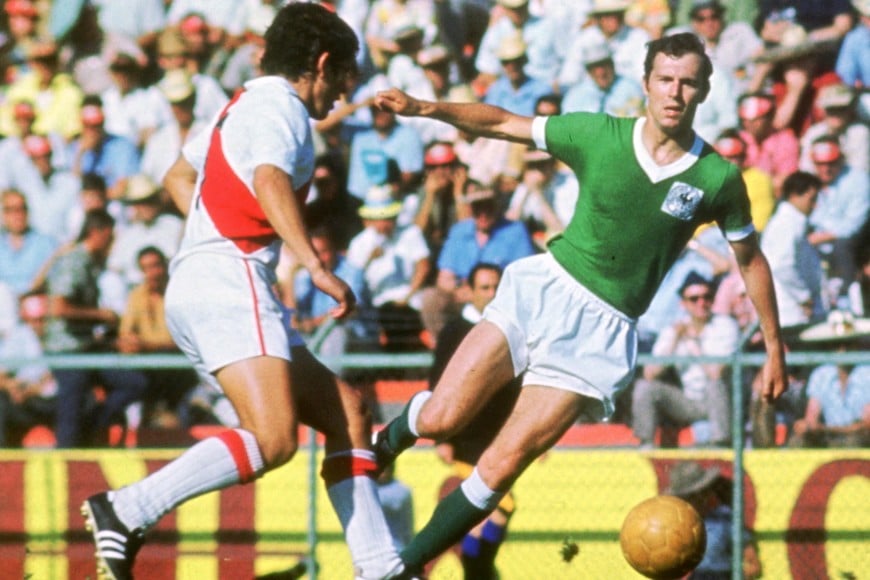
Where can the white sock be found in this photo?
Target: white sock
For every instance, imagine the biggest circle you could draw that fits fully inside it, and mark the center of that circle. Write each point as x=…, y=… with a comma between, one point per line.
x=414, y=410
x=479, y=494
x=354, y=498
x=214, y=463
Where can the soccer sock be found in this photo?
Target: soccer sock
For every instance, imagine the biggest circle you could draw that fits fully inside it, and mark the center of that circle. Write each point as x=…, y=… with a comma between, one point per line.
x=457, y=513
x=354, y=497
x=402, y=431
x=214, y=463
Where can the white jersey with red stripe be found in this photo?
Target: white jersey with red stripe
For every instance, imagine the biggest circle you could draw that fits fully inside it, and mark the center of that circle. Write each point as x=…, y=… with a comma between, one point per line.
x=264, y=124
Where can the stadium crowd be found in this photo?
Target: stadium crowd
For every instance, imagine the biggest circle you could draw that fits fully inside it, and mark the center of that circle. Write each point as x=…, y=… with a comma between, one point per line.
x=99, y=96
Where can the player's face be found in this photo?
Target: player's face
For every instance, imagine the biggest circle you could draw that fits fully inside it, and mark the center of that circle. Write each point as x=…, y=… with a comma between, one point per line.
x=674, y=88
x=330, y=83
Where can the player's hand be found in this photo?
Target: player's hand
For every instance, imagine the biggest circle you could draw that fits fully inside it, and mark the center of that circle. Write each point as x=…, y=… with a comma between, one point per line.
x=327, y=282
x=774, y=377
x=398, y=102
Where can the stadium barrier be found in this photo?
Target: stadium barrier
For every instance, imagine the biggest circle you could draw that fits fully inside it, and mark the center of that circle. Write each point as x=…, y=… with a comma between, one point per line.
x=813, y=504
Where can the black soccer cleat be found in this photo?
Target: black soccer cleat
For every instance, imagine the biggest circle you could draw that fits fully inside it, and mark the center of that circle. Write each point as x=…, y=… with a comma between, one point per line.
x=385, y=455
x=116, y=545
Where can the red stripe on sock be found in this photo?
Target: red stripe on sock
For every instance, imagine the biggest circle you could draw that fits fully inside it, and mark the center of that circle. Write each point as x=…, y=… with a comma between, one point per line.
x=343, y=467
x=236, y=446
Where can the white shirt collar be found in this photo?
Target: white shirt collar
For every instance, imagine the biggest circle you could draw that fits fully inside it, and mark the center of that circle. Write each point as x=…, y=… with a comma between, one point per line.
x=658, y=173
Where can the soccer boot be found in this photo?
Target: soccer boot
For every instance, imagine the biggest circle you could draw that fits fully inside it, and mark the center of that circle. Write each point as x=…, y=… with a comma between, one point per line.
x=116, y=545
x=385, y=455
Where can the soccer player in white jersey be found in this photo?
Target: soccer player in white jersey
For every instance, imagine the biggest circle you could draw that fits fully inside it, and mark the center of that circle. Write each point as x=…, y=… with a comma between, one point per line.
x=241, y=184
x=566, y=319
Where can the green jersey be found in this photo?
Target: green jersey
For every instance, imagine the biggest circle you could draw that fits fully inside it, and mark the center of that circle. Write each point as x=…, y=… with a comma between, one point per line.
x=633, y=217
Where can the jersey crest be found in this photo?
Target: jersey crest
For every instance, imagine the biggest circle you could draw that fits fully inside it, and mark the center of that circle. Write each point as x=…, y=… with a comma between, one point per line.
x=682, y=201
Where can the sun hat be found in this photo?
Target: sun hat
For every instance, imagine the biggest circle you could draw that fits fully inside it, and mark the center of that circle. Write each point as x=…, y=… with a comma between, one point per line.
x=608, y=7
x=140, y=188
x=21, y=8
x=513, y=3
x=440, y=154
x=379, y=204
x=432, y=55
x=835, y=96
x=730, y=147
x=595, y=54
x=840, y=326
x=171, y=43
x=176, y=86
x=37, y=145
x=689, y=477
x=511, y=48
x=754, y=106
x=23, y=109
x=825, y=151
x=862, y=6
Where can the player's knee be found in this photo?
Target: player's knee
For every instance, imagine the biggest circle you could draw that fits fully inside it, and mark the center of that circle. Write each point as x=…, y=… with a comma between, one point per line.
x=437, y=421
x=277, y=448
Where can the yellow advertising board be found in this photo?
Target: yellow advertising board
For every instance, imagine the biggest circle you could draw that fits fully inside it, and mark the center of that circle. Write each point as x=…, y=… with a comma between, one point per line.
x=808, y=510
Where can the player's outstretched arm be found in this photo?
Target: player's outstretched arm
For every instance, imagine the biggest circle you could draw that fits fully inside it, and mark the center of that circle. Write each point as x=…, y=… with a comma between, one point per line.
x=759, y=286
x=475, y=118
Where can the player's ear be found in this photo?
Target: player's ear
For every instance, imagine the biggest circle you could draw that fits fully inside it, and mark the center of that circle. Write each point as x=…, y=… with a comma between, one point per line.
x=321, y=64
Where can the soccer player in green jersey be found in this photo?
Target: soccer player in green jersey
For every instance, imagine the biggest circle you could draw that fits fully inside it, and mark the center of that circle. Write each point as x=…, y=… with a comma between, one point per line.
x=566, y=318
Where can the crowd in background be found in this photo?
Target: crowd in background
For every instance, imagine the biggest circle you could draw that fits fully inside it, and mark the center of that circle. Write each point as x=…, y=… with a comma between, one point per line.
x=99, y=96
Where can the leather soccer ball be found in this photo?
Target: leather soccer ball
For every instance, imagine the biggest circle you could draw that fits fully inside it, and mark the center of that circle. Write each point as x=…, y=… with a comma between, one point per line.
x=663, y=537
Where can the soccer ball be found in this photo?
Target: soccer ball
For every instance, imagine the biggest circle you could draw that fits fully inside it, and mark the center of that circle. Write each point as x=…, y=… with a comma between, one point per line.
x=663, y=537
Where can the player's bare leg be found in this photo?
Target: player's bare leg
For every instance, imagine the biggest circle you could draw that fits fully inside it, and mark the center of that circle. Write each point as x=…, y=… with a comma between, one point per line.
x=481, y=366
x=338, y=411
x=540, y=417
x=259, y=389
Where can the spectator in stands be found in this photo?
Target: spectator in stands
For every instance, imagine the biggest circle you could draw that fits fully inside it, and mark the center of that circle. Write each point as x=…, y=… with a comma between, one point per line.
x=243, y=63
x=395, y=263
x=545, y=198
x=150, y=225
x=143, y=330
x=402, y=68
x=387, y=17
x=95, y=150
x=602, y=90
x=438, y=68
x=539, y=33
x=24, y=252
x=130, y=108
x=709, y=492
x=853, y=62
x=51, y=193
x=93, y=195
x=21, y=25
x=333, y=207
x=842, y=208
x=26, y=394
x=608, y=28
x=794, y=262
x=653, y=16
x=173, y=58
x=371, y=151
x=15, y=165
x=55, y=95
x=439, y=204
x=803, y=36
x=772, y=150
x=487, y=236
x=163, y=147
x=208, y=29
x=838, y=395
x=731, y=47
x=759, y=184
x=701, y=391
x=313, y=306
x=513, y=89
x=77, y=324
x=837, y=103
x=479, y=547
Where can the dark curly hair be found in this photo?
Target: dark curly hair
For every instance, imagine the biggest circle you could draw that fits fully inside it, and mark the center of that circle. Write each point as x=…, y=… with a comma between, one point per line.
x=300, y=33
x=677, y=45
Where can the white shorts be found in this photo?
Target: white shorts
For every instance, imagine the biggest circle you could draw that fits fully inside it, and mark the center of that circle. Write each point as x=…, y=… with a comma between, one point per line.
x=560, y=334
x=222, y=309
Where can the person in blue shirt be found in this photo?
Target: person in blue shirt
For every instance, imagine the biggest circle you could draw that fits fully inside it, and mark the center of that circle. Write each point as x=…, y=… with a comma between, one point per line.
x=514, y=90
x=709, y=491
x=602, y=90
x=24, y=252
x=853, y=60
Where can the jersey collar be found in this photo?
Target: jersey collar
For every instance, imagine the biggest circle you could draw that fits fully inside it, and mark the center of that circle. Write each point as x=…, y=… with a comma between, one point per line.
x=658, y=173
